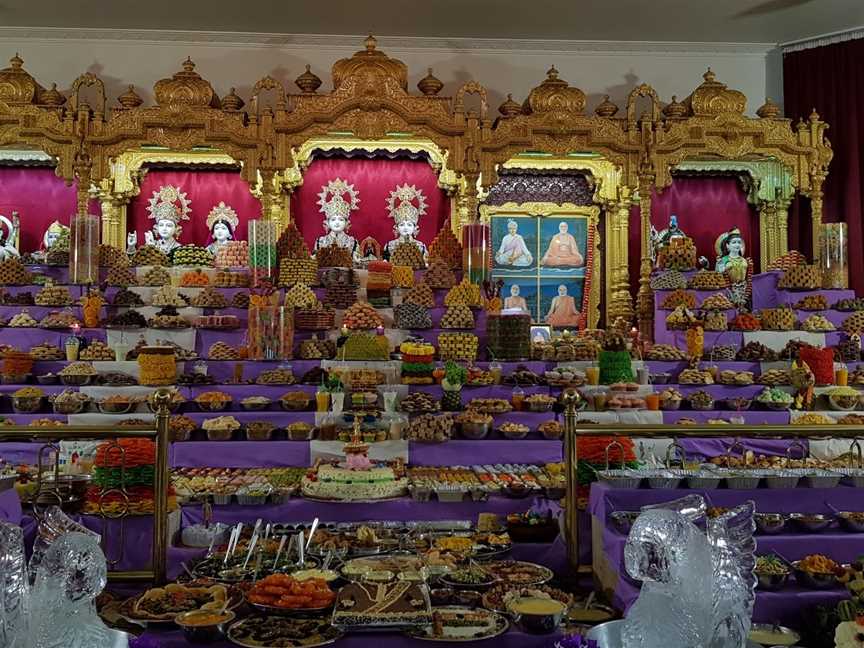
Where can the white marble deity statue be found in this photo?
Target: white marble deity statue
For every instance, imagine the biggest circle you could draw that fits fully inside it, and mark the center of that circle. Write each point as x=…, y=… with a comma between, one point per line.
x=131, y=243
x=8, y=243
x=56, y=236
x=337, y=216
x=406, y=204
x=513, y=251
x=222, y=223
x=168, y=207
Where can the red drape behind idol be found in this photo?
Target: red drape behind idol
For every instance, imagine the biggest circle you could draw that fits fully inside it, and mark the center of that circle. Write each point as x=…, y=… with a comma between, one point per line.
x=205, y=189
x=831, y=80
x=705, y=206
x=40, y=198
x=373, y=179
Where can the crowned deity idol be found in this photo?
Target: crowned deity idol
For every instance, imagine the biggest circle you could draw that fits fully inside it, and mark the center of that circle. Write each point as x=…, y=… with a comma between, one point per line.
x=729, y=247
x=56, y=236
x=337, y=216
x=406, y=217
x=7, y=243
x=167, y=208
x=222, y=222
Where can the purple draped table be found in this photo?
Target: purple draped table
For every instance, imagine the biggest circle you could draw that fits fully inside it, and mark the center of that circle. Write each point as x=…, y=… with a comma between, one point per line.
x=783, y=606
x=10, y=507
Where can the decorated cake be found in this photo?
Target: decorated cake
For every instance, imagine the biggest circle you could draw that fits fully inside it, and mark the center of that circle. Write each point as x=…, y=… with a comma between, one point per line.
x=366, y=604
x=334, y=481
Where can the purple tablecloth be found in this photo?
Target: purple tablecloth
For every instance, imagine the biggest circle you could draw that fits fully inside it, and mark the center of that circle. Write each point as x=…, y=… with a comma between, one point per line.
x=10, y=506
x=715, y=447
x=784, y=606
x=766, y=294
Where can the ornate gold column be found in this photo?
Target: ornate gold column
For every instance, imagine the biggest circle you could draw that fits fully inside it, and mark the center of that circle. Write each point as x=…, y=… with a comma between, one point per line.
x=619, y=302
x=781, y=219
x=767, y=232
x=645, y=299
x=82, y=167
x=815, y=193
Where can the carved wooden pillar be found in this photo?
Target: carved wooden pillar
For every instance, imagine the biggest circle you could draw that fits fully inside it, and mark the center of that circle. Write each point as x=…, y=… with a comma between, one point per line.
x=83, y=167
x=645, y=298
x=113, y=220
x=619, y=302
x=816, y=210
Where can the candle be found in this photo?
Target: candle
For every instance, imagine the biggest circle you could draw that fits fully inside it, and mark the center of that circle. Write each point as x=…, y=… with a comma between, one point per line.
x=379, y=330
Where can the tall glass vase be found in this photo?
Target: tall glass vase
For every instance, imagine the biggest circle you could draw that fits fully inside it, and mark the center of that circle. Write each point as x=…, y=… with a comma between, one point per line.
x=84, y=249
x=833, y=256
x=262, y=250
x=476, y=252
x=271, y=332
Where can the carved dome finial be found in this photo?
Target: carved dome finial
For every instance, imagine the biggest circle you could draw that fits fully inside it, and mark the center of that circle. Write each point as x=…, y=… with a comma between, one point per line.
x=52, y=97
x=769, y=110
x=606, y=108
x=371, y=62
x=675, y=109
x=17, y=87
x=232, y=101
x=130, y=98
x=430, y=85
x=713, y=98
x=509, y=108
x=554, y=95
x=308, y=82
x=185, y=88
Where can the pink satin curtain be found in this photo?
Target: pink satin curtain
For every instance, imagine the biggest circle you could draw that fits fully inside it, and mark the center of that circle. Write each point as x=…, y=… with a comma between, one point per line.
x=205, y=189
x=705, y=206
x=40, y=198
x=373, y=179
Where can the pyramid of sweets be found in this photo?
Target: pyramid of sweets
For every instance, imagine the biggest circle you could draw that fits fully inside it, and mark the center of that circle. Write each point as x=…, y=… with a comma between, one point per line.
x=409, y=315
x=168, y=296
x=669, y=280
x=315, y=349
x=314, y=318
x=126, y=297
x=96, y=350
x=446, y=248
x=679, y=254
x=191, y=255
x=121, y=276
x=22, y=320
x=156, y=276
x=457, y=317
x=464, y=293
x=149, y=255
x=458, y=346
x=47, y=351
x=209, y=297
x=782, y=318
x=801, y=277
x=57, y=256
x=167, y=318
x=293, y=270
x=12, y=273
x=380, y=276
x=53, y=295
x=362, y=315
x=194, y=279
x=402, y=276
x=786, y=261
x=291, y=244
x=233, y=254
x=300, y=296
x=231, y=279
x=408, y=254
x=334, y=256
x=421, y=294
x=240, y=300
x=677, y=298
x=111, y=257
x=439, y=276
x=365, y=346
x=708, y=280
x=509, y=336
x=221, y=351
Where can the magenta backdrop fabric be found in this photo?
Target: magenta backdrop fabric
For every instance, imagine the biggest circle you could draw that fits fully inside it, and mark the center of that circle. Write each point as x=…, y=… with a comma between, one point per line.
x=831, y=80
x=205, y=189
x=40, y=198
x=373, y=180
x=705, y=206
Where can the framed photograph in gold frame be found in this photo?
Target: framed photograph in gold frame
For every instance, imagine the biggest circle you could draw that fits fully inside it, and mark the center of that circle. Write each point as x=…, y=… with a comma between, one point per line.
x=550, y=252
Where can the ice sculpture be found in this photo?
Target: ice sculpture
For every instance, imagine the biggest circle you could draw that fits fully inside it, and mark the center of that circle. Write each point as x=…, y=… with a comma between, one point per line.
x=68, y=572
x=697, y=586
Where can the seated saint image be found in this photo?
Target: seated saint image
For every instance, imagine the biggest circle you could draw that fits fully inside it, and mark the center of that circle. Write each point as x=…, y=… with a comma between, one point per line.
x=513, y=251
x=563, y=252
x=562, y=310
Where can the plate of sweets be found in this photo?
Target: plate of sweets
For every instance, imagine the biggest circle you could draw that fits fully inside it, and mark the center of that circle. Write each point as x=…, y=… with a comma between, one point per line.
x=454, y=624
x=269, y=631
x=282, y=594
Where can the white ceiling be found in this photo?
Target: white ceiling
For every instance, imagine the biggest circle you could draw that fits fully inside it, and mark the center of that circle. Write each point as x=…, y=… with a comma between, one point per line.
x=726, y=21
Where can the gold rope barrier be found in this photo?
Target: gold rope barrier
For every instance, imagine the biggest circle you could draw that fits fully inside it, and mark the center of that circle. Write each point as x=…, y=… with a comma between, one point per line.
x=572, y=432
x=159, y=433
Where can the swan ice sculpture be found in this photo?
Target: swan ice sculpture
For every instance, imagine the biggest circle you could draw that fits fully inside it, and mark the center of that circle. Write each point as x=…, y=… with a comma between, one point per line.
x=697, y=586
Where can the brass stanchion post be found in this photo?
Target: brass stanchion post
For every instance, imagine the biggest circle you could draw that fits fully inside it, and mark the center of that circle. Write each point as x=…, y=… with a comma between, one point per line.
x=161, y=400
x=571, y=502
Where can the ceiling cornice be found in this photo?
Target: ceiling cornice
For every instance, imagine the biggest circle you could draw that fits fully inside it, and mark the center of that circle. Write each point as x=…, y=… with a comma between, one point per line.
x=393, y=43
x=824, y=39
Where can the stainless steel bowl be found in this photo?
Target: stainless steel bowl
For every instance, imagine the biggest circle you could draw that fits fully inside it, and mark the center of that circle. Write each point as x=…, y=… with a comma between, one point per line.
x=770, y=523
x=703, y=481
x=814, y=581
x=782, y=480
x=813, y=522
x=771, y=582
x=850, y=523
x=823, y=479
x=620, y=478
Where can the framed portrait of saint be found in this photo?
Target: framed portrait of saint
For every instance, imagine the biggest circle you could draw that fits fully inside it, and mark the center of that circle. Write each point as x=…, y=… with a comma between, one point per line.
x=546, y=254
